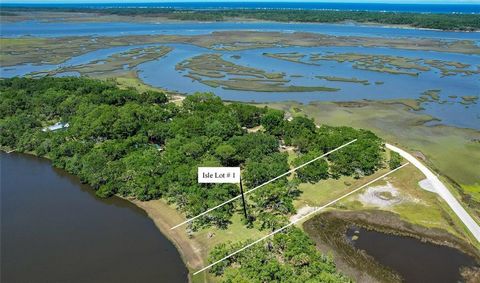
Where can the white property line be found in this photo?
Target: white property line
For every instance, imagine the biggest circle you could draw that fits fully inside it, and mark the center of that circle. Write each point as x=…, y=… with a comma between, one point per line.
x=259, y=186
x=303, y=217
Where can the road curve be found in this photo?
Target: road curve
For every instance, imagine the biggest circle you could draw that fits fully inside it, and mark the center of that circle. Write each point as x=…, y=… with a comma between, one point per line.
x=442, y=191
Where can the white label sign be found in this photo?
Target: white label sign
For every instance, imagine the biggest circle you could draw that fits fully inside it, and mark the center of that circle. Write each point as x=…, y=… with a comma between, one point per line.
x=219, y=175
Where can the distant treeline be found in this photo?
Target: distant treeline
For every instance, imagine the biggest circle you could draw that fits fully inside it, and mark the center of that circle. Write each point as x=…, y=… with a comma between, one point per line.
x=464, y=22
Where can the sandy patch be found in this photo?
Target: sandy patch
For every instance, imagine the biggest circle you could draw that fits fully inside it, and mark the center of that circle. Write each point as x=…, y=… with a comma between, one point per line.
x=166, y=217
x=381, y=196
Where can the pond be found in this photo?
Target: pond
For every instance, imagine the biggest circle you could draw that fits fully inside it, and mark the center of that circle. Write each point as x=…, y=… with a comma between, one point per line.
x=55, y=229
x=414, y=260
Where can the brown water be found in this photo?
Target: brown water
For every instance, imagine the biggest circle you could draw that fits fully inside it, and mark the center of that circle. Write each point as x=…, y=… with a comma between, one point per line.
x=413, y=259
x=53, y=229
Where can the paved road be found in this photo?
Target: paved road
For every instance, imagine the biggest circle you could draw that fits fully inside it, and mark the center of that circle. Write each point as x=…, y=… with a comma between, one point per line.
x=442, y=191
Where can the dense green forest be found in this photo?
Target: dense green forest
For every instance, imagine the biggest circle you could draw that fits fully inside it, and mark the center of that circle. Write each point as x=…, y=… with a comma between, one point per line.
x=465, y=22
x=120, y=141
x=138, y=145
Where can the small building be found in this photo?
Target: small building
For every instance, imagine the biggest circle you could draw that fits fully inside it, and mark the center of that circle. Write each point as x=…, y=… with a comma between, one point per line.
x=55, y=127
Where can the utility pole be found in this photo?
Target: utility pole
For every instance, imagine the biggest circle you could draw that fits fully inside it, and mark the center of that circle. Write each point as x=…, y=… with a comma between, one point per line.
x=243, y=199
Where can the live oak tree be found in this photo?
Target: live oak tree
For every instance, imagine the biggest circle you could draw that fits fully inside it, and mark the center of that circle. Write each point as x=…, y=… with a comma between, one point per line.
x=313, y=172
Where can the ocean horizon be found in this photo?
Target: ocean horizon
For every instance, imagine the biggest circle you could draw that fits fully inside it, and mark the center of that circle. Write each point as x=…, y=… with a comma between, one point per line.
x=379, y=7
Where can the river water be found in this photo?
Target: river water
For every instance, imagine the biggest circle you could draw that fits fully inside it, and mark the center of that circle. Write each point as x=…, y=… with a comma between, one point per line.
x=55, y=229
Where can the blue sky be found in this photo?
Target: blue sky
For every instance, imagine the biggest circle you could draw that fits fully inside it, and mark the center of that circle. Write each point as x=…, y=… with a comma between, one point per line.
x=310, y=1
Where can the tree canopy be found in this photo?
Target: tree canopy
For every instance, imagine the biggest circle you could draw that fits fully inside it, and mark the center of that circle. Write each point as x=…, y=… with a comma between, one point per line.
x=133, y=144
x=120, y=141
x=287, y=257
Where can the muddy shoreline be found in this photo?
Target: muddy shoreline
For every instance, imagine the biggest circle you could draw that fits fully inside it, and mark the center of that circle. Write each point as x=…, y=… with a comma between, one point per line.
x=328, y=230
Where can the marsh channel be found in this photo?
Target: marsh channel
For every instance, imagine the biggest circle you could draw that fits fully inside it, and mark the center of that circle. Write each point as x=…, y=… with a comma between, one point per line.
x=306, y=74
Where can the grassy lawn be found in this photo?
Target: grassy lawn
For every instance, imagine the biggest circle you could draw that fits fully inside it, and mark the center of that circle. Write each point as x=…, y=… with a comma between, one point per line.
x=327, y=190
x=419, y=207
x=236, y=232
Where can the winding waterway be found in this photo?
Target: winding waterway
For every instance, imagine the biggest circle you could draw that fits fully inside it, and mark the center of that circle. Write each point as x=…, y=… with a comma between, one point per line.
x=449, y=108
x=55, y=229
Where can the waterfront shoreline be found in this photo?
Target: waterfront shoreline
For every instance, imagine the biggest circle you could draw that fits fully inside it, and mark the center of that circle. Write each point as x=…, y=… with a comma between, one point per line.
x=187, y=247
x=62, y=223
x=154, y=209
